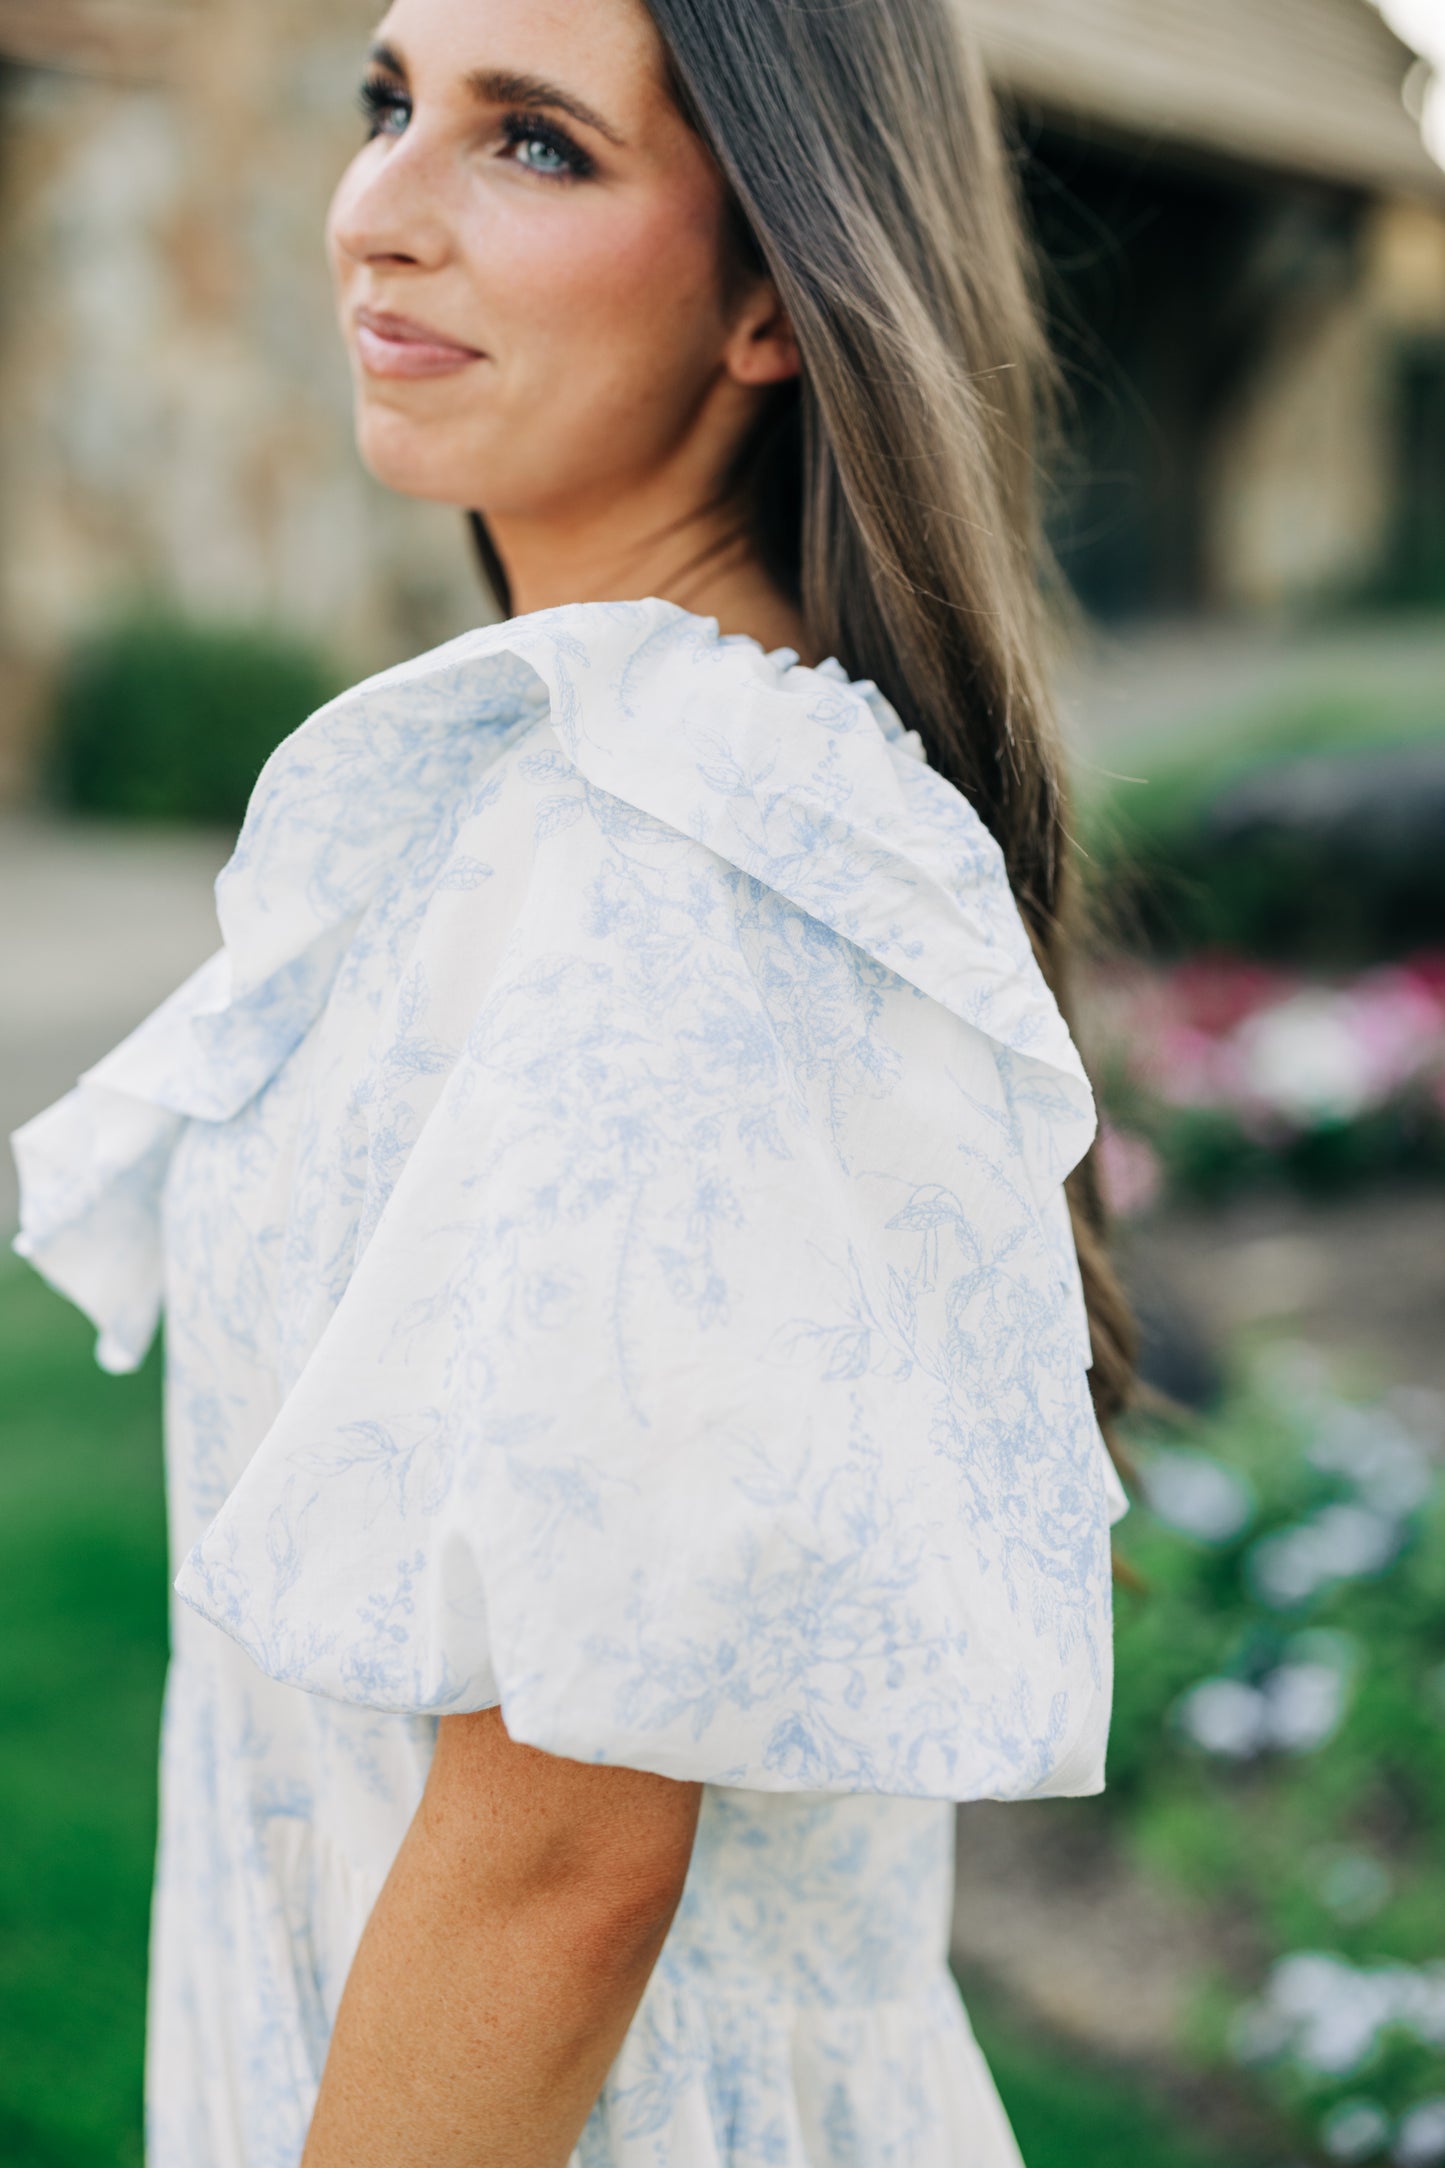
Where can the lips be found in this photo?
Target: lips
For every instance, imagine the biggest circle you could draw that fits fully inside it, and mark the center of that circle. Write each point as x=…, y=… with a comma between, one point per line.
x=399, y=346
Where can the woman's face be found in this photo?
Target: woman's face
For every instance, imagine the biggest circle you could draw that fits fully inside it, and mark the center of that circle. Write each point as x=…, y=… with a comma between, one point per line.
x=530, y=260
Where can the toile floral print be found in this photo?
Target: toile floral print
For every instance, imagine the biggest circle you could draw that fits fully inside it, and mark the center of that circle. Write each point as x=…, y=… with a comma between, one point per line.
x=606, y=1201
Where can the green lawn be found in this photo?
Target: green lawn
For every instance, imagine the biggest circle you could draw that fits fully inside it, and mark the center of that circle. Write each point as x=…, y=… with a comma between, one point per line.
x=82, y=1650
x=1069, y=2115
x=82, y=1654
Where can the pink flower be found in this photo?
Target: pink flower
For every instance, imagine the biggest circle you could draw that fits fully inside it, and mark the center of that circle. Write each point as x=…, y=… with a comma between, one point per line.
x=1216, y=992
x=1281, y=1050
x=1130, y=1175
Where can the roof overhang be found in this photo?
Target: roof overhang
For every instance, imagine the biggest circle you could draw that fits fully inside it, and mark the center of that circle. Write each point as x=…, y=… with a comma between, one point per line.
x=1306, y=86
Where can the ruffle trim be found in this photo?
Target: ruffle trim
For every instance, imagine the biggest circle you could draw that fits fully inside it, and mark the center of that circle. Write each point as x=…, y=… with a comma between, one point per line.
x=802, y=779
x=718, y=2081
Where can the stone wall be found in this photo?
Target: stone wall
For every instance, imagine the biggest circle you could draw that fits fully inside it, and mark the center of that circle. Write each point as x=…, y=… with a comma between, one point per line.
x=174, y=398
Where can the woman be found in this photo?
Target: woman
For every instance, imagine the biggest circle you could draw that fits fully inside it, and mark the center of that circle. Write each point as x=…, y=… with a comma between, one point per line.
x=631, y=1446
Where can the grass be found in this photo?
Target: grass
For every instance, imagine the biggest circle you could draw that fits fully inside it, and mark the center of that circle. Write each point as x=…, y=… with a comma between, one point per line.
x=82, y=1654
x=82, y=1657
x=1070, y=2114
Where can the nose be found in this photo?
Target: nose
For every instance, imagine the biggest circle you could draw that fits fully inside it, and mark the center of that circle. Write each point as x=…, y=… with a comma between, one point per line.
x=391, y=206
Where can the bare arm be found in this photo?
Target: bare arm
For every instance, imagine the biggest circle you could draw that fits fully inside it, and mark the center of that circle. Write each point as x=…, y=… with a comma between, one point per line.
x=504, y=1959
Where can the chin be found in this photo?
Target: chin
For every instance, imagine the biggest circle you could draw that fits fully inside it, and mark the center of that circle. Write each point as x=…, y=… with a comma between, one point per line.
x=411, y=459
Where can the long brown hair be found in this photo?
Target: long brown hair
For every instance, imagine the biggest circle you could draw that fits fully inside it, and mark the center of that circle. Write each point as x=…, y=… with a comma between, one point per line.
x=893, y=492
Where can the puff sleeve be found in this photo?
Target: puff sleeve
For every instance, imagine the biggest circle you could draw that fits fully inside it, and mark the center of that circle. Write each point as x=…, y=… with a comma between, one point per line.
x=708, y=1384
x=712, y=1389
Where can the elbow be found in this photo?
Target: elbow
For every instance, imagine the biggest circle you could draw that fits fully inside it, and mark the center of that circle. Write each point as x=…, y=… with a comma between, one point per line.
x=619, y=1913
x=588, y=1860
x=596, y=1920
x=626, y=1881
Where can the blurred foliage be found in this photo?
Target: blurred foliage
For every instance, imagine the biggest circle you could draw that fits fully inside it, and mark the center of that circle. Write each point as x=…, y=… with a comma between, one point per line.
x=158, y=718
x=1208, y=1157
x=1278, y=1747
x=1311, y=832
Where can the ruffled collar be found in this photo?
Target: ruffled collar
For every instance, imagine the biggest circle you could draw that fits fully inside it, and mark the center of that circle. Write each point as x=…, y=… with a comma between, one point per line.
x=802, y=779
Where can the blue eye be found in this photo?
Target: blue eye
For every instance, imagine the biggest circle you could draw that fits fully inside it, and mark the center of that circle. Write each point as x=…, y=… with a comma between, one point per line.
x=539, y=147
x=540, y=155
x=385, y=109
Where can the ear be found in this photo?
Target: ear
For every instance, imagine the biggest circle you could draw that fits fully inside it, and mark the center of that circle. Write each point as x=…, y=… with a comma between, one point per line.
x=761, y=347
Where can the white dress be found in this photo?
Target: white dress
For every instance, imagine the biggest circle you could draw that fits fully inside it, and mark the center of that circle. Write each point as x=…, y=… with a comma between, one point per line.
x=606, y=1202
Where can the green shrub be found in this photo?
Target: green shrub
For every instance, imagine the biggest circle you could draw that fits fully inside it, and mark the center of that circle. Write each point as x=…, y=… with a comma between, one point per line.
x=1278, y=1748
x=1207, y=1156
x=160, y=719
x=1311, y=833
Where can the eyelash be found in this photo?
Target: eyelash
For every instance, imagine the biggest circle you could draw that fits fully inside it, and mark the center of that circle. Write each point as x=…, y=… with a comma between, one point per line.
x=381, y=101
x=378, y=100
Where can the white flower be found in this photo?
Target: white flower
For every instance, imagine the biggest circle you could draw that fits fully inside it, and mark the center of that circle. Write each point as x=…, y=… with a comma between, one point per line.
x=1355, y=2130
x=1332, y=2013
x=1328, y=2014
x=1304, y=1706
x=1225, y=1716
x=1338, y=1543
x=1420, y=2002
x=1197, y=1494
x=1296, y=1708
x=1303, y=1060
x=1377, y=1456
x=1420, y=2140
x=1328, y=1054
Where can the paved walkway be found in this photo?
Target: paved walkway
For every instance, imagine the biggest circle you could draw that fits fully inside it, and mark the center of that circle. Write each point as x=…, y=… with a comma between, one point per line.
x=97, y=924
x=1125, y=690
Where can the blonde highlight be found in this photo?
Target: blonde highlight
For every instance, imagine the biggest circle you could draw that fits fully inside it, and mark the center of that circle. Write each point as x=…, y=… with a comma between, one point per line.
x=865, y=152
x=894, y=492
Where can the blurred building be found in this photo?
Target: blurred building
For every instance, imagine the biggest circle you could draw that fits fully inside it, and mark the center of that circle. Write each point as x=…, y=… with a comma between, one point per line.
x=174, y=400
x=1247, y=240
x=1249, y=286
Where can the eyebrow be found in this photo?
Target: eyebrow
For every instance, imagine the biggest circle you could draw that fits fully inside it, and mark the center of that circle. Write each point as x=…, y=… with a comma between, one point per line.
x=503, y=86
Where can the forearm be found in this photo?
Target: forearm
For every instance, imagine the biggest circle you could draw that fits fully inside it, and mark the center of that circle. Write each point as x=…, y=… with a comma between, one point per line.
x=489, y=1996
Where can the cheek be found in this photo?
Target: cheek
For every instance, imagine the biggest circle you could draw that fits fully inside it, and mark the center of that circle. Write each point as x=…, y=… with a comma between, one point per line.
x=608, y=300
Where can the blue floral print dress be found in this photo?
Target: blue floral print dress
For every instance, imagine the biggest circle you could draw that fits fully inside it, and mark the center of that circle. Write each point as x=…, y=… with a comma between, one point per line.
x=606, y=1201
